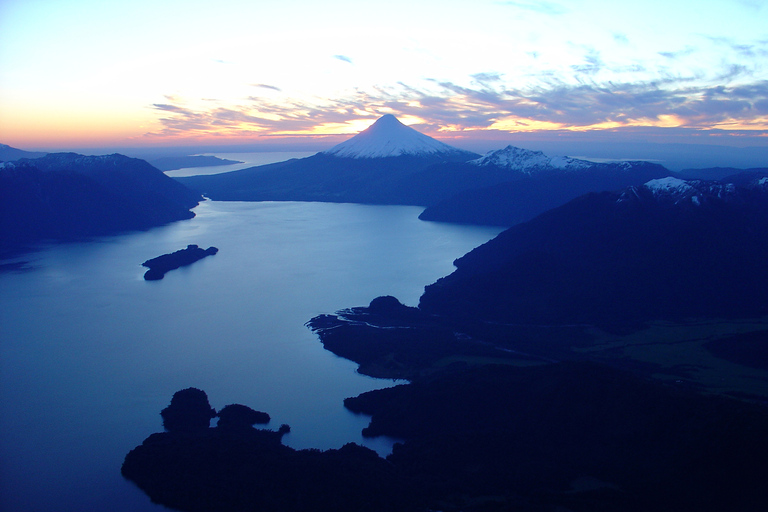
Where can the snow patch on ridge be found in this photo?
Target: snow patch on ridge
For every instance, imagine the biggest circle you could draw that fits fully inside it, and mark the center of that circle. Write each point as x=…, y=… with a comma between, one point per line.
x=678, y=191
x=668, y=185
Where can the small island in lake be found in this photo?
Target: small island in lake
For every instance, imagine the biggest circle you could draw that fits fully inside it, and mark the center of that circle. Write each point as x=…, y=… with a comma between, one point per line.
x=167, y=262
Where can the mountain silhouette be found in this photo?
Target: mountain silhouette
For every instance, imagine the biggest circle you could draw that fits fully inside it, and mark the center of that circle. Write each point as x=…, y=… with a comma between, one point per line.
x=64, y=196
x=387, y=163
x=528, y=183
x=669, y=249
x=390, y=163
x=10, y=154
x=388, y=137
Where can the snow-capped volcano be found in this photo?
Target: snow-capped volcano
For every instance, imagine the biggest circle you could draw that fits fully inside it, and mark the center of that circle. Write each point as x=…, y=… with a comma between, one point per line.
x=527, y=161
x=389, y=137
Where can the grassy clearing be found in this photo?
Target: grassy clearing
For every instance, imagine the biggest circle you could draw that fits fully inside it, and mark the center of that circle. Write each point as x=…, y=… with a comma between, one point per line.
x=480, y=361
x=675, y=352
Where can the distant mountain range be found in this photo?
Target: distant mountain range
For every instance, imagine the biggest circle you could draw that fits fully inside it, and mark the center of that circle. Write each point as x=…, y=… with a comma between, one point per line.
x=669, y=249
x=390, y=163
x=529, y=183
x=64, y=196
x=719, y=173
x=9, y=154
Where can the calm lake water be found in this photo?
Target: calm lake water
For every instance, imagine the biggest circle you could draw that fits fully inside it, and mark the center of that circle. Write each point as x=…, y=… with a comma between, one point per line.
x=90, y=352
x=251, y=159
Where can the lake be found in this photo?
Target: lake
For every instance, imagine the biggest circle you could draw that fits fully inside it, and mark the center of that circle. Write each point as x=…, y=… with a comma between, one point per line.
x=250, y=159
x=90, y=352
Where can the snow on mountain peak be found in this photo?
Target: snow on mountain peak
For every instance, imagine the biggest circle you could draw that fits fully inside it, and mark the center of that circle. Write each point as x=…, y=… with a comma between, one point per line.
x=678, y=191
x=389, y=137
x=693, y=189
x=528, y=162
x=668, y=185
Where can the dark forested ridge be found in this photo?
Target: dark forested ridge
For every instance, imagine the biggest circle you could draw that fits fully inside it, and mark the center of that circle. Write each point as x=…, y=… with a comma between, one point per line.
x=640, y=278
x=512, y=201
x=519, y=401
x=546, y=438
x=645, y=253
x=64, y=196
x=571, y=436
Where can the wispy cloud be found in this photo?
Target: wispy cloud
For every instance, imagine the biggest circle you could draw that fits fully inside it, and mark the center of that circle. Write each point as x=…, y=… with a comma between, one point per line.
x=538, y=6
x=267, y=86
x=590, y=94
x=487, y=78
x=620, y=38
x=592, y=64
x=688, y=50
x=755, y=5
x=449, y=108
x=170, y=108
x=758, y=49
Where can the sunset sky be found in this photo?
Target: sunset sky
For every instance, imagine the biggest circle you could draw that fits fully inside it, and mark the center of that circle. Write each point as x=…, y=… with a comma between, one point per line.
x=90, y=73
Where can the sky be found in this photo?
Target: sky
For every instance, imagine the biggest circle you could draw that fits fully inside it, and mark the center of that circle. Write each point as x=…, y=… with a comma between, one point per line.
x=90, y=73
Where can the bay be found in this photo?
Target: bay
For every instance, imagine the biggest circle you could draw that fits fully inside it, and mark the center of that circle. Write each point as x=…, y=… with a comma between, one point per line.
x=90, y=352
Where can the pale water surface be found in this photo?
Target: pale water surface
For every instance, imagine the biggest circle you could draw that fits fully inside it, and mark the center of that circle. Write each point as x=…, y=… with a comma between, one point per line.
x=90, y=352
x=251, y=159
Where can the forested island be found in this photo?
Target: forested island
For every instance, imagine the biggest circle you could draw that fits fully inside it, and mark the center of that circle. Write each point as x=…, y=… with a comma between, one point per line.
x=160, y=265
